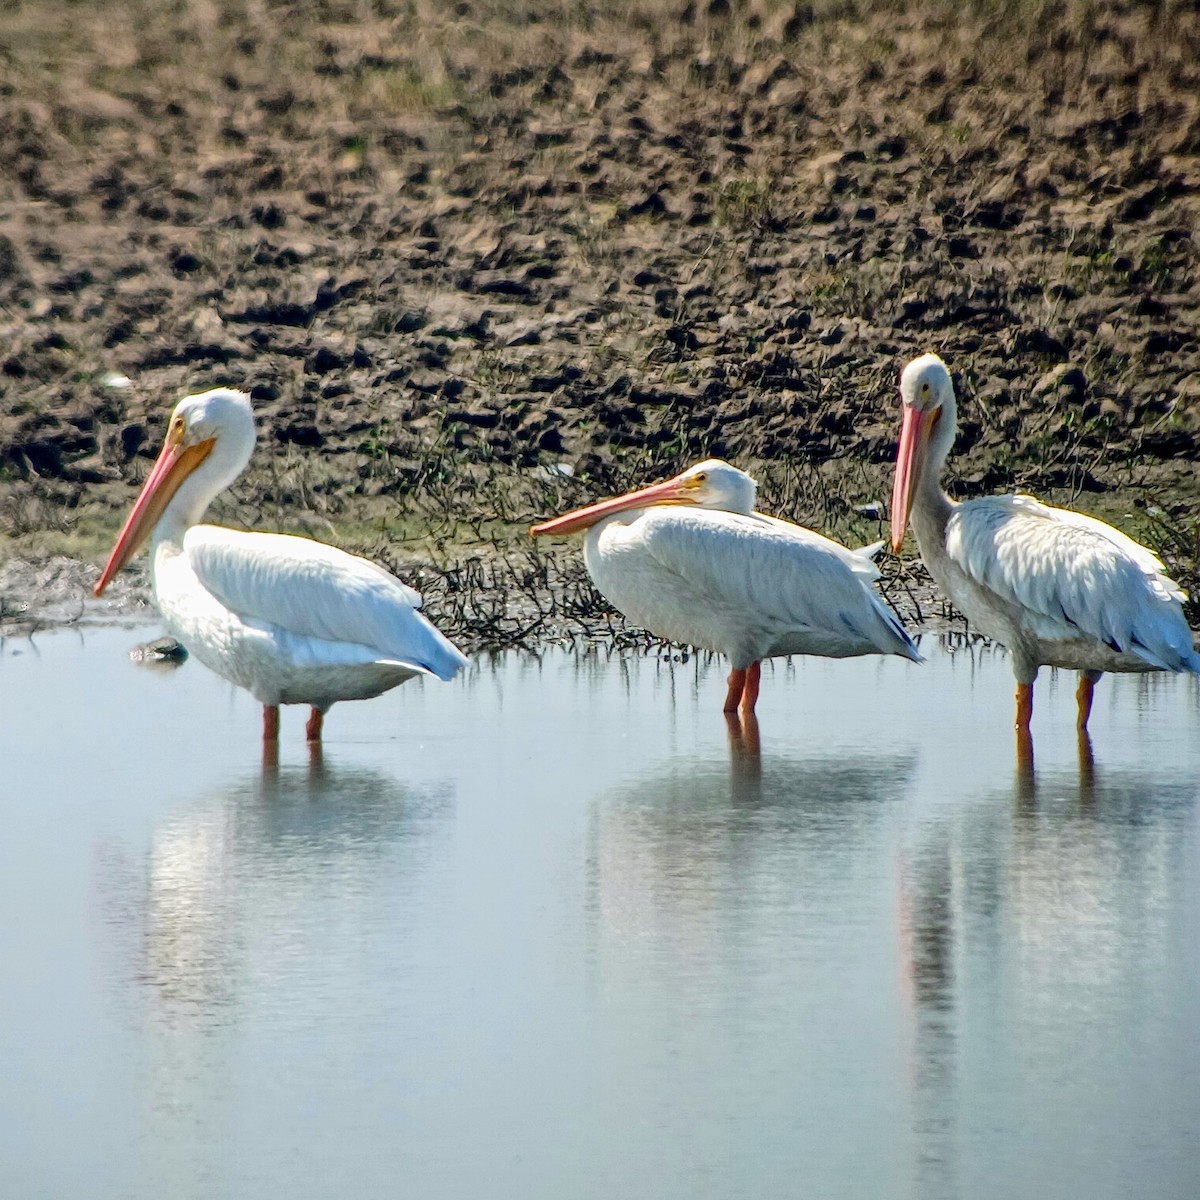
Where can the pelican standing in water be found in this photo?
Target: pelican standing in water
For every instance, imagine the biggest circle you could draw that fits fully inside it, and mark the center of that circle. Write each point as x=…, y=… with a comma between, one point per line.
x=1055, y=587
x=691, y=561
x=291, y=620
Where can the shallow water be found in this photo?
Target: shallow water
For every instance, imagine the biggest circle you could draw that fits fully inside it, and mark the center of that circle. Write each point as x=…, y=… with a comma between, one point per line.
x=555, y=931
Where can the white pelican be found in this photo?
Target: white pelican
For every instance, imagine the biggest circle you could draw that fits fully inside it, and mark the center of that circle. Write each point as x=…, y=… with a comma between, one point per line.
x=1055, y=587
x=690, y=560
x=289, y=619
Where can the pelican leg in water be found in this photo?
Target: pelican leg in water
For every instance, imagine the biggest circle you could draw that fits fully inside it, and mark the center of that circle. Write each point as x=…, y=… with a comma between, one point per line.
x=1056, y=587
x=291, y=620
x=691, y=561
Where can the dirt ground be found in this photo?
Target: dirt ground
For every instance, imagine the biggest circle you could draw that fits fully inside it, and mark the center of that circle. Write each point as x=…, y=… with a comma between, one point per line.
x=476, y=260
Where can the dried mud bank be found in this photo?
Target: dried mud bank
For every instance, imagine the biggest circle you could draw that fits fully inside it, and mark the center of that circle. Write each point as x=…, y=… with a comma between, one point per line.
x=451, y=249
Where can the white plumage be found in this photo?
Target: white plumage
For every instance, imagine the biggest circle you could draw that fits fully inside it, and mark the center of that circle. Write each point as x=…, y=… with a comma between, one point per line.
x=691, y=561
x=1056, y=587
x=291, y=620
x=746, y=586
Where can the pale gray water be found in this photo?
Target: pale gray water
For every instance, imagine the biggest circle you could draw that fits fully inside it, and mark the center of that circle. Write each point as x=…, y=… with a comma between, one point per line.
x=544, y=933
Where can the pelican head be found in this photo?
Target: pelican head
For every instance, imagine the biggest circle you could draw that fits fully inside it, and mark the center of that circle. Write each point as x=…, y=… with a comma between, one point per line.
x=712, y=483
x=926, y=432
x=209, y=441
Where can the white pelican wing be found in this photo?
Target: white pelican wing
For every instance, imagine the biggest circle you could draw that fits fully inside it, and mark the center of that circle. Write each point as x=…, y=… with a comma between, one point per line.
x=779, y=575
x=1076, y=572
x=310, y=590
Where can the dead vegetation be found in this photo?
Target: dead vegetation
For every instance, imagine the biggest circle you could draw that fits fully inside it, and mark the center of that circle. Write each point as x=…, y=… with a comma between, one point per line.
x=1175, y=538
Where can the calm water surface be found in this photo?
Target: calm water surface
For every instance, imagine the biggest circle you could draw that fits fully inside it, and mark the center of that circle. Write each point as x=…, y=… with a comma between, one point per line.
x=556, y=931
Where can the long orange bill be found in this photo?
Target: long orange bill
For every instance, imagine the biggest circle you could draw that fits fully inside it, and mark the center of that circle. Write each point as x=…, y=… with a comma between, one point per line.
x=670, y=492
x=914, y=436
x=174, y=464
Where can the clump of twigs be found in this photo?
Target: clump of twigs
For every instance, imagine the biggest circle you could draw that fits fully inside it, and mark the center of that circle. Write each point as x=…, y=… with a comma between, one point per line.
x=517, y=597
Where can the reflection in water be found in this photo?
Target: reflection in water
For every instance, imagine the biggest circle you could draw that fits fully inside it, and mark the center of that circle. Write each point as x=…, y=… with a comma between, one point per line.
x=624, y=948
x=1025, y=768
x=1087, y=760
x=1026, y=775
x=225, y=881
x=744, y=743
x=926, y=934
x=703, y=838
x=253, y=907
x=729, y=898
x=1046, y=907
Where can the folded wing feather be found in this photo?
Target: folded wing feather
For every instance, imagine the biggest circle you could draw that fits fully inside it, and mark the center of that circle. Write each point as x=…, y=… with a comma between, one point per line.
x=1066, y=566
x=313, y=590
x=777, y=569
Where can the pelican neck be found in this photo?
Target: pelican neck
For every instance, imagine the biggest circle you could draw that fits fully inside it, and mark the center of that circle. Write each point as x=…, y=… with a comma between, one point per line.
x=932, y=507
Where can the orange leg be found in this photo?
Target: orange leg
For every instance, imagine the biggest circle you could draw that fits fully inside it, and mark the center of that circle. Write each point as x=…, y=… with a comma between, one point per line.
x=312, y=728
x=737, y=685
x=750, y=694
x=270, y=722
x=1084, y=698
x=1024, y=705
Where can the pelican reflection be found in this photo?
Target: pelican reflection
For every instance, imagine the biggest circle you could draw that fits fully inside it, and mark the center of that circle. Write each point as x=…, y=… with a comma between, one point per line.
x=701, y=836
x=1051, y=906
x=247, y=881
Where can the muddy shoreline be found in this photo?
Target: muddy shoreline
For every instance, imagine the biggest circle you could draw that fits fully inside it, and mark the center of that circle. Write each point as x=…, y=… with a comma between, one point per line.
x=484, y=604
x=478, y=264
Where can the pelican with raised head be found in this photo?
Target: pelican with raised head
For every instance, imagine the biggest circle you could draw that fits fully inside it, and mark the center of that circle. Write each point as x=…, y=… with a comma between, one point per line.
x=691, y=561
x=1057, y=588
x=291, y=620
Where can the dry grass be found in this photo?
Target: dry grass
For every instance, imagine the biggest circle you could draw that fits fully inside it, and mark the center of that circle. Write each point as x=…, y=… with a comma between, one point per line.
x=1176, y=540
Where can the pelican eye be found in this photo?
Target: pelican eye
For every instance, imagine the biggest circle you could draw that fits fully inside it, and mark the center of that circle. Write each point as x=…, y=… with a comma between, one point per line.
x=924, y=388
x=176, y=430
x=702, y=477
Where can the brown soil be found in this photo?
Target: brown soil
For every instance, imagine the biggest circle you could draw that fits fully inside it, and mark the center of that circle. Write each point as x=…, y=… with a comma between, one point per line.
x=448, y=246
